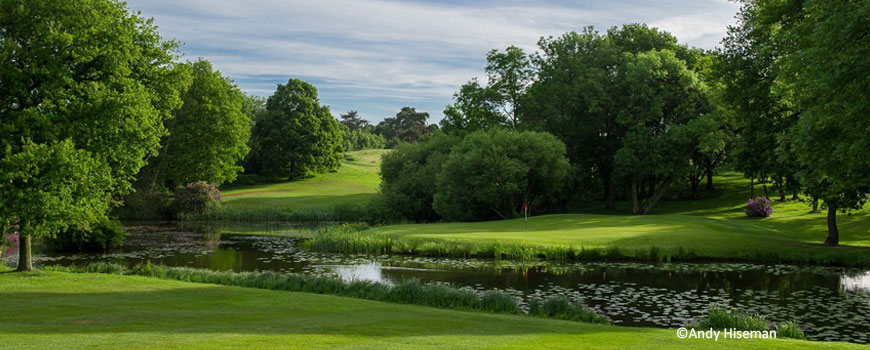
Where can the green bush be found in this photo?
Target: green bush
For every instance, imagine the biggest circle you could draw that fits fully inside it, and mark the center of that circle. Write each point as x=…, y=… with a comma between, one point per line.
x=720, y=318
x=408, y=178
x=493, y=174
x=359, y=139
x=144, y=204
x=103, y=236
x=559, y=307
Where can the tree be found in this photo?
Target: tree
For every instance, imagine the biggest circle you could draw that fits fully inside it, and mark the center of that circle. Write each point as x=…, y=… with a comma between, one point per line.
x=494, y=173
x=824, y=73
x=474, y=108
x=296, y=135
x=408, y=177
x=208, y=135
x=410, y=124
x=510, y=74
x=85, y=87
x=579, y=94
x=353, y=121
x=662, y=98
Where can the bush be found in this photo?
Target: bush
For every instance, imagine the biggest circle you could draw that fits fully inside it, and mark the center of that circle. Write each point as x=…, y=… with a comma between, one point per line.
x=197, y=197
x=103, y=236
x=758, y=207
x=720, y=318
x=144, y=204
x=359, y=139
x=491, y=175
x=408, y=178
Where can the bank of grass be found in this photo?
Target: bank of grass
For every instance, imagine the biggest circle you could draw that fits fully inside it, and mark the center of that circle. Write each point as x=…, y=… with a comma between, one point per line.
x=720, y=318
x=352, y=184
x=58, y=310
x=662, y=237
x=406, y=292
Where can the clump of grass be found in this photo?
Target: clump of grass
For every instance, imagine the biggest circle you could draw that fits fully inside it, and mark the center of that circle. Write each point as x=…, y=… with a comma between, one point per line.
x=721, y=318
x=559, y=307
x=790, y=329
x=406, y=292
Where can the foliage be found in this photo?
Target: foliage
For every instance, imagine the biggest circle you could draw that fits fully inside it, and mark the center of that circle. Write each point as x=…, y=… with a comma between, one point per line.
x=720, y=318
x=408, y=178
x=495, y=173
x=474, y=108
x=758, y=207
x=208, y=134
x=103, y=236
x=560, y=307
x=593, y=88
x=360, y=139
x=353, y=121
x=49, y=188
x=408, y=125
x=86, y=87
x=296, y=135
x=197, y=197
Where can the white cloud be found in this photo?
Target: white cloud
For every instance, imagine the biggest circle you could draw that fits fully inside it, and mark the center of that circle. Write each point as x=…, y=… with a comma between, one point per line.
x=376, y=55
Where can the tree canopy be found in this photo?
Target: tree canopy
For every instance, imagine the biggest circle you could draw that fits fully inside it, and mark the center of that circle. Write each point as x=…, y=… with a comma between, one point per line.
x=295, y=135
x=82, y=82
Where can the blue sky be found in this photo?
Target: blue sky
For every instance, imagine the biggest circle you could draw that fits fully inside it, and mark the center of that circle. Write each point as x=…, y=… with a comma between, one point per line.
x=377, y=56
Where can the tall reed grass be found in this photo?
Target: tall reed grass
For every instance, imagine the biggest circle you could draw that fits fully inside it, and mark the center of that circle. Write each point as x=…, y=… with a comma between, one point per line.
x=405, y=292
x=720, y=318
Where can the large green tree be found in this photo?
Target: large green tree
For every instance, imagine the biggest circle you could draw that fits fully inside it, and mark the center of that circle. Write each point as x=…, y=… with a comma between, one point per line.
x=85, y=87
x=825, y=74
x=493, y=174
x=208, y=134
x=580, y=93
x=296, y=135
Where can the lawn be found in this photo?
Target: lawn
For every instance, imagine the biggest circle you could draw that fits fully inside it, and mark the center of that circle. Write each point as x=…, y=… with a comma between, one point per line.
x=55, y=310
x=355, y=182
x=714, y=227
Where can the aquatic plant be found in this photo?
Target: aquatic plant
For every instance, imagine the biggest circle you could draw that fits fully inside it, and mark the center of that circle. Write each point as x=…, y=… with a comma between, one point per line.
x=720, y=318
x=560, y=307
x=405, y=292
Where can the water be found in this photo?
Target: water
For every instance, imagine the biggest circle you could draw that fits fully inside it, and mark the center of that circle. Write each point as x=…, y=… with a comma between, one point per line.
x=829, y=303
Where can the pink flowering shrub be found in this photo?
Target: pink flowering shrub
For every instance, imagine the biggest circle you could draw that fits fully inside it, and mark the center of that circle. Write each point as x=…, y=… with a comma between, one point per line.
x=197, y=197
x=758, y=207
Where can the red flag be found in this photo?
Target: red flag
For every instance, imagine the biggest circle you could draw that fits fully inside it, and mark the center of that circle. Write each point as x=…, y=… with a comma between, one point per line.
x=526, y=207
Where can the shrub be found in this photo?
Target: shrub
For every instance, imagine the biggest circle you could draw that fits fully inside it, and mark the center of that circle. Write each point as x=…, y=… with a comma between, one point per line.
x=559, y=307
x=790, y=329
x=758, y=207
x=492, y=174
x=408, y=174
x=144, y=204
x=103, y=236
x=197, y=197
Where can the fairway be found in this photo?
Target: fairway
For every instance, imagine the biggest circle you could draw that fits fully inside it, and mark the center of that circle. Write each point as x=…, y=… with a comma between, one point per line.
x=96, y=311
x=355, y=182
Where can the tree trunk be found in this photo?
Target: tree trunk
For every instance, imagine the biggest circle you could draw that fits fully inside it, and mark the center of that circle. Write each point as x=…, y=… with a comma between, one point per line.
x=781, y=189
x=815, y=205
x=764, y=187
x=655, y=198
x=751, y=188
x=794, y=195
x=611, y=194
x=652, y=187
x=694, y=183
x=24, y=261
x=709, y=180
x=833, y=232
x=635, y=207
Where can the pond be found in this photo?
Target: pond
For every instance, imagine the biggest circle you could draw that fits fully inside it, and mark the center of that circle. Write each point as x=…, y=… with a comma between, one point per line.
x=829, y=303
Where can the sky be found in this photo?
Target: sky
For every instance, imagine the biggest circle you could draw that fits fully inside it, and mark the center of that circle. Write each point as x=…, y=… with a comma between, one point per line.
x=377, y=56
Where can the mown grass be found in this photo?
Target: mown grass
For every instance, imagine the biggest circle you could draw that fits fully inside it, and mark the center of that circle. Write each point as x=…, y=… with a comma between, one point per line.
x=56, y=310
x=665, y=237
x=406, y=292
x=354, y=183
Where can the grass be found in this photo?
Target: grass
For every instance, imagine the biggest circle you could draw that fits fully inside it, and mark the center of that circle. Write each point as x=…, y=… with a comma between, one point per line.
x=406, y=292
x=355, y=182
x=720, y=318
x=57, y=310
x=714, y=229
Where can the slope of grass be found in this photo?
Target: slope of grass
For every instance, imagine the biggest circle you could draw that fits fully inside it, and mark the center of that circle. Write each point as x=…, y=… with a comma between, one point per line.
x=54, y=310
x=356, y=181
